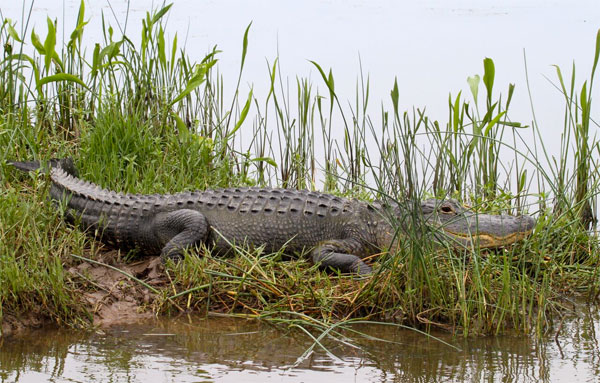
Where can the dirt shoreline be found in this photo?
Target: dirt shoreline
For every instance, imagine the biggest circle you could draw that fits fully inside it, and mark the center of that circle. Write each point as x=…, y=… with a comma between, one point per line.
x=109, y=295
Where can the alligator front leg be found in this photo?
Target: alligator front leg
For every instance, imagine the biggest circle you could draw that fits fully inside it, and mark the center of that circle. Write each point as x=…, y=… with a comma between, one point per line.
x=339, y=254
x=178, y=230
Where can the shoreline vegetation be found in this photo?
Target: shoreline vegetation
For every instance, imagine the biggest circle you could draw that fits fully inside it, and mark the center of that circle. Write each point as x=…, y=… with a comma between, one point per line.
x=146, y=119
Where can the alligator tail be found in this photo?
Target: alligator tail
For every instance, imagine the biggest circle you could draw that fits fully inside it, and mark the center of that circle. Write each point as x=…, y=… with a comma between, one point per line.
x=66, y=164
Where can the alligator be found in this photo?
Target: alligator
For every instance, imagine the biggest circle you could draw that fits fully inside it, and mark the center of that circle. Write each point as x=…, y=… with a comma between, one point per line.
x=337, y=232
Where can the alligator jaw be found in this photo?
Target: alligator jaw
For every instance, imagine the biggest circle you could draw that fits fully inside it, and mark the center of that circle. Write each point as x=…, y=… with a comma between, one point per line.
x=465, y=228
x=484, y=240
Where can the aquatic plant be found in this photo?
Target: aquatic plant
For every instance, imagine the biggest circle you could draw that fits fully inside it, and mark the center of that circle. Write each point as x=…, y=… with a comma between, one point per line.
x=147, y=119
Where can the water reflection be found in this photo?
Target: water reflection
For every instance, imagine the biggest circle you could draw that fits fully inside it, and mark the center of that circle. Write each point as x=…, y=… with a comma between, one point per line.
x=193, y=350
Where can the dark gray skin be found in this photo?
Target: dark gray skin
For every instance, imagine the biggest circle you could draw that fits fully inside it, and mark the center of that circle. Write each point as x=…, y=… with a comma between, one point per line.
x=339, y=232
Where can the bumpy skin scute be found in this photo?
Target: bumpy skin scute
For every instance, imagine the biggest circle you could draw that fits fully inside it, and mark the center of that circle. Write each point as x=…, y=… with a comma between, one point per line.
x=341, y=232
x=272, y=217
x=168, y=224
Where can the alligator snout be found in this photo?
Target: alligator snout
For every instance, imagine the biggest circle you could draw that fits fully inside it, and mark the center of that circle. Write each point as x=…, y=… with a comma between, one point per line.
x=489, y=231
x=522, y=224
x=464, y=227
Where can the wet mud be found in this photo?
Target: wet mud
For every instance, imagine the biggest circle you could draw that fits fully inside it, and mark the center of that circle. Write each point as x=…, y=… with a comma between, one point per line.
x=110, y=296
x=114, y=298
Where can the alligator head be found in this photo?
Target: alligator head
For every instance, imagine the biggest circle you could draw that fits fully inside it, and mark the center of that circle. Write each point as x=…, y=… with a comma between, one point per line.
x=464, y=228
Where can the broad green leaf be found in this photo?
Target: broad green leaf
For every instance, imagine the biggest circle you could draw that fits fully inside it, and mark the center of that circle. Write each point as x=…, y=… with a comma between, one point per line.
x=161, y=13
x=20, y=57
x=96, y=60
x=492, y=123
x=328, y=81
x=35, y=40
x=24, y=57
x=561, y=81
x=511, y=90
x=596, y=54
x=110, y=51
x=477, y=131
x=522, y=181
x=49, y=44
x=81, y=14
x=209, y=57
x=245, y=45
x=61, y=77
x=584, y=102
x=144, y=40
x=243, y=115
x=456, y=125
x=474, y=85
x=268, y=160
x=323, y=75
x=196, y=80
x=181, y=126
x=489, y=113
x=78, y=31
x=513, y=124
x=395, y=94
x=12, y=32
x=488, y=76
x=161, y=48
x=77, y=34
x=173, y=52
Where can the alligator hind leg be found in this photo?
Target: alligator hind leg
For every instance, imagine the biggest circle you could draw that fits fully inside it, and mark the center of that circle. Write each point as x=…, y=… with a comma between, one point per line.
x=179, y=230
x=338, y=254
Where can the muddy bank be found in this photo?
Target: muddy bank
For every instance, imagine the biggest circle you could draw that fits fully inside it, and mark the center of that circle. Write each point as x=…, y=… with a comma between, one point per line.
x=114, y=298
x=110, y=296
x=17, y=324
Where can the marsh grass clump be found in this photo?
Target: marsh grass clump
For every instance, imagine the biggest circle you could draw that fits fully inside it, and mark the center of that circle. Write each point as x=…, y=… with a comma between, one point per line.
x=148, y=119
x=34, y=242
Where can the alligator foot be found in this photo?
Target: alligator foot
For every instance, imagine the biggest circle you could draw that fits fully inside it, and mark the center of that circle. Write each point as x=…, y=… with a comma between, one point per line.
x=180, y=229
x=336, y=254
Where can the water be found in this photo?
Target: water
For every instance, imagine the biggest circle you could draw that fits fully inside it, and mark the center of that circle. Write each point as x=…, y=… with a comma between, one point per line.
x=233, y=350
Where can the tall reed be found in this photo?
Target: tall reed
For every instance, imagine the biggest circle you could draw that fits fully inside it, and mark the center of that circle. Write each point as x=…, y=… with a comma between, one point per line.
x=147, y=119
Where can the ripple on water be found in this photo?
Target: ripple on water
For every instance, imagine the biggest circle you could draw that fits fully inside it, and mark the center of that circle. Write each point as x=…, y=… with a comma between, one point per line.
x=239, y=350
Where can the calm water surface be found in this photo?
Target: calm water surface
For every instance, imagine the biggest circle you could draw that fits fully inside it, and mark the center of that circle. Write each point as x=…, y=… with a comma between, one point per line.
x=228, y=350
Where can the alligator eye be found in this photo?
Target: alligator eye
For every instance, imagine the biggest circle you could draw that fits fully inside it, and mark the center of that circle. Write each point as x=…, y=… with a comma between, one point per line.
x=446, y=209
